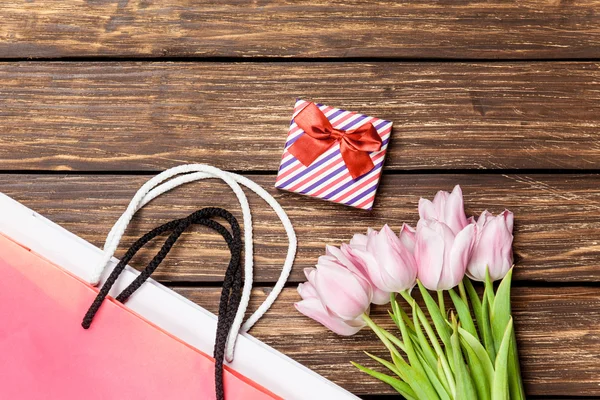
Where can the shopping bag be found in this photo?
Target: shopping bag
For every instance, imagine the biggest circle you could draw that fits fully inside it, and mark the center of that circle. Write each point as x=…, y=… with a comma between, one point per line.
x=47, y=355
x=45, y=272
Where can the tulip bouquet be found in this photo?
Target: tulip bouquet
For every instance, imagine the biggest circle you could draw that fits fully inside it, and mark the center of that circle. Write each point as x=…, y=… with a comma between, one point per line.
x=467, y=352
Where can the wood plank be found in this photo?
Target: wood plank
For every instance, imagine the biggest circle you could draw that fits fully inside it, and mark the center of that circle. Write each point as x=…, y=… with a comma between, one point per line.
x=557, y=219
x=558, y=333
x=150, y=116
x=315, y=28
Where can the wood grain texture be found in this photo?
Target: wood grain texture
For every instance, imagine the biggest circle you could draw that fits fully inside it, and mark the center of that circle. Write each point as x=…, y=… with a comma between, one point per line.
x=150, y=116
x=288, y=28
x=557, y=225
x=558, y=333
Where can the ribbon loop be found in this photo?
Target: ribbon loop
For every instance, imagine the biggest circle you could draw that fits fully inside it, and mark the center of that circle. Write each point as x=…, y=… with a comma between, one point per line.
x=320, y=135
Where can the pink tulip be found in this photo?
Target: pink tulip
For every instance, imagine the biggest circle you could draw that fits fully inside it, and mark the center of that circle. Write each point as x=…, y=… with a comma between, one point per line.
x=493, y=246
x=342, y=292
x=447, y=208
x=390, y=266
x=312, y=307
x=347, y=257
x=442, y=256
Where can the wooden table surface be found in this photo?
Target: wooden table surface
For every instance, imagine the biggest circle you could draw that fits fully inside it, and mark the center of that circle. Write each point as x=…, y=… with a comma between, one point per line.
x=502, y=97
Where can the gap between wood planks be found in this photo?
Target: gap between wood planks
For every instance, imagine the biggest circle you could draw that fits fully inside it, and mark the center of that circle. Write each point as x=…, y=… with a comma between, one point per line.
x=273, y=60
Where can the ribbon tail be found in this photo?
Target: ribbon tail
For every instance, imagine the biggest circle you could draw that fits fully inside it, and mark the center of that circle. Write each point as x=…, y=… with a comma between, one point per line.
x=358, y=163
x=307, y=149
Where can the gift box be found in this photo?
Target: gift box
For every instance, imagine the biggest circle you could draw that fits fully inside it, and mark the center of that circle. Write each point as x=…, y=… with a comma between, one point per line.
x=334, y=154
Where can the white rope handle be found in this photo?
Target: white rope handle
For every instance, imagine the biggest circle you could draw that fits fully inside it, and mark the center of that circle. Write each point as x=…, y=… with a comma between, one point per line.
x=193, y=172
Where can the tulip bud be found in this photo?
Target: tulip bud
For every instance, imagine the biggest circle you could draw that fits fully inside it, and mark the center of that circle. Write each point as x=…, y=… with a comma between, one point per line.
x=391, y=267
x=312, y=307
x=493, y=246
x=341, y=292
x=442, y=256
x=348, y=257
x=447, y=208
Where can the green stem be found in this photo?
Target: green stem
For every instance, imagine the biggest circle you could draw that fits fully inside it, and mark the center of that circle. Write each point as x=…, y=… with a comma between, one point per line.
x=440, y=294
x=393, y=339
x=381, y=335
x=433, y=339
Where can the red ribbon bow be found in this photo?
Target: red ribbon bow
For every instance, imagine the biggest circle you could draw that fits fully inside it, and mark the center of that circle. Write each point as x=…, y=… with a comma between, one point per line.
x=355, y=144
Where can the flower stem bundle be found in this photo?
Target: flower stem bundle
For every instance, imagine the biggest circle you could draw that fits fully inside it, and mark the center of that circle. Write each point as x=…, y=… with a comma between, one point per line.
x=464, y=348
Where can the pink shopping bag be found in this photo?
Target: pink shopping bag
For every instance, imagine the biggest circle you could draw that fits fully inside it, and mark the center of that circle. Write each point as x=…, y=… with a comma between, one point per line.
x=46, y=354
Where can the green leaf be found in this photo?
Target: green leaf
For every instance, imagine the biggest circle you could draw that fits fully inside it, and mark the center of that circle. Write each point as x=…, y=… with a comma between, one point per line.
x=409, y=348
x=443, y=379
x=480, y=382
x=386, y=364
x=500, y=314
x=480, y=366
x=486, y=329
x=383, y=335
x=426, y=385
x=417, y=380
x=440, y=323
x=463, y=294
x=479, y=351
x=428, y=352
x=399, y=315
x=436, y=316
x=464, y=385
x=499, y=318
x=405, y=317
x=400, y=364
x=489, y=287
x=433, y=339
x=500, y=389
x=515, y=383
x=401, y=387
x=441, y=390
x=464, y=316
x=475, y=302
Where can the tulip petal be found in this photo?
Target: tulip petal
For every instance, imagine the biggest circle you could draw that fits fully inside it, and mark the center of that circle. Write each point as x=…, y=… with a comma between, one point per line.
x=454, y=211
x=341, y=257
x=379, y=296
x=459, y=255
x=310, y=273
x=429, y=253
x=439, y=201
x=359, y=241
x=376, y=277
x=314, y=309
x=307, y=291
x=396, y=264
x=341, y=291
x=408, y=236
x=484, y=218
x=427, y=209
x=510, y=218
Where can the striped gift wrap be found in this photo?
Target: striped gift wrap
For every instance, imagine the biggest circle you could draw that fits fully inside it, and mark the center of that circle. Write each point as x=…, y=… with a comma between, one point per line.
x=327, y=177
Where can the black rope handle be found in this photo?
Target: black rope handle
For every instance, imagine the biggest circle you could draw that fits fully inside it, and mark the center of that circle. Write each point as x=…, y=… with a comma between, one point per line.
x=232, y=285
